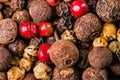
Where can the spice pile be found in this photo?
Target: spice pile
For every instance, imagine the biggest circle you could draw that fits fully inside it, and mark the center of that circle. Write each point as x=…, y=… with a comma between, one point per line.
x=59, y=39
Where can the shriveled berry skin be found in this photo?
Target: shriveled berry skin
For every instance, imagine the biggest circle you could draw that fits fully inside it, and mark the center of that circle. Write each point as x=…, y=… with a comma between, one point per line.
x=100, y=57
x=108, y=10
x=70, y=73
x=94, y=74
x=64, y=53
x=87, y=27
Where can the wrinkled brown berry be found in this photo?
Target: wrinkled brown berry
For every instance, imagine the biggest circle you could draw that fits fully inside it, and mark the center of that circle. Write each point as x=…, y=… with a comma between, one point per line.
x=108, y=10
x=5, y=58
x=40, y=10
x=65, y=74
x=94, y=74
x=87, y=27
x=64, y=53
x=100, y=57
x=3, y=76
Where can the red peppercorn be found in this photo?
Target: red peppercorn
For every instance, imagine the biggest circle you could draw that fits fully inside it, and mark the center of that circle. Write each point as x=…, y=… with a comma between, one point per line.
x=43, y=53
x=28, y=29
x=78, y=8
x=53, y=2
x=45, y=29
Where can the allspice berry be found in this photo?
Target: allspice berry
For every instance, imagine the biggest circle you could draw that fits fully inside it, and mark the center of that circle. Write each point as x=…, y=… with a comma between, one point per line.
x=64, y=53
x=94, y=74
x=3, y=76
x=8, y=31
x=87, y=27
x=40, y=10
x=5, y=58
x=108, y=10
x=100, y=57
x=70, y=73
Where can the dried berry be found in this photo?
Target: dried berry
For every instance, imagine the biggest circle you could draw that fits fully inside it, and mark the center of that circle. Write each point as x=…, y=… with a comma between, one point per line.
x=100, y=41
x=8, y=29
x=29, y=76
x=17, y=4
x=4, y=0
x=20, y=16
x=40, y=10
x=108, y=10
x=100, y=57
x=62, y=9
x=5, y=58
x=87, y=27
x=109, y=31
x=94, y=74
x=15, y=73
x=42, y=71
x=17, y=47
x=3, y=76
x=7, y=12
x=64, y=53
x=65, y=74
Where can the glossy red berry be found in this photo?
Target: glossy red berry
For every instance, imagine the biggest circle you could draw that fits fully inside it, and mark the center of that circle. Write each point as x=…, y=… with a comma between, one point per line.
x=43, y=53
x=53, y=2
x=45, y=29
x=28, y=29
x=78, y=8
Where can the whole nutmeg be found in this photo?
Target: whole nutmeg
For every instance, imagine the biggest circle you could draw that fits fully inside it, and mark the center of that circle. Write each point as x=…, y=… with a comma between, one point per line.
x=94, y=74
x=3, y=76
x=17, y=47
x=17, y=4
x=25, y=64
x=20, y=16
x=5, y=58
x=115, y=69
x=70, y=73
x=15, y=73
x=100, y=57
x=108, y=10
x=40, y=10
x=87, y=27
x=30, y=76
x=8, y=30
x=64, y=53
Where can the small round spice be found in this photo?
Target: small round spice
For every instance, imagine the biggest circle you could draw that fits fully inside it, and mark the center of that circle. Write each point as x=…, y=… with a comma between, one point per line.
x=3, y=76
x=87, y=27
x=20, y=16
x=64, y=53
x=17, y=4
x=65, y=74
x=40, y=10
x=30, y=76
x=108, y=10
x=100, y=57
x=5, y=58
x=8, y=30
x=94, y=74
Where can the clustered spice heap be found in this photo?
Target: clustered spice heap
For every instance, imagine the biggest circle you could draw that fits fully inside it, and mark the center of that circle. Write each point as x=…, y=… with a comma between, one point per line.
x=59, y=39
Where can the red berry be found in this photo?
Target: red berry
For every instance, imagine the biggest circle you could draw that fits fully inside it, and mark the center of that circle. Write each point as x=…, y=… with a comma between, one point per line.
x=43, y=53
x=53, y=2
x=45, y=29
x=78, y=8
x=28, y=29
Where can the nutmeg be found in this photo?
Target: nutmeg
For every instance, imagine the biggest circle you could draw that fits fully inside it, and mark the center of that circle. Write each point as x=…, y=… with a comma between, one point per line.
x=5, y=58
x=70, y=73
x=108, y=10
x=20, y=16
x=94, y=74
x=3, y=76
x=100, y=57
x=8, y=31
x=64, y=53
x=40, y=10
x=87, y=27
